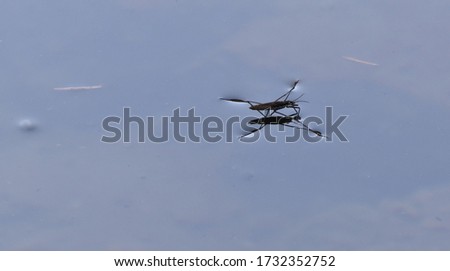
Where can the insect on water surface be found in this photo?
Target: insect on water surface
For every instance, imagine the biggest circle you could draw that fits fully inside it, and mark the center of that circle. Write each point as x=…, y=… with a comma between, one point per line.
x=270, y=108
x=275, y=105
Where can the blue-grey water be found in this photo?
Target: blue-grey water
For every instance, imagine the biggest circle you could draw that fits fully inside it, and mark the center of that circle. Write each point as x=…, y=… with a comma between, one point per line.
x=61, y=188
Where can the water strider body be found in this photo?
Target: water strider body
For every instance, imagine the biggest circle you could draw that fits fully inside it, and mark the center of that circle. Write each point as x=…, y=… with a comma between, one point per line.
x=273, y=106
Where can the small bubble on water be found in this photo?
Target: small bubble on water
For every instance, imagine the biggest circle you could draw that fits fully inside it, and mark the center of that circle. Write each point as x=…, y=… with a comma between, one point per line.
x=27, y=125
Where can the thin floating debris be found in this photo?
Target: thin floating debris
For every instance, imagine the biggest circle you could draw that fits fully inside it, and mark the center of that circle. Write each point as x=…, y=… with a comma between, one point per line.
x=79, y=87
x=359, y=61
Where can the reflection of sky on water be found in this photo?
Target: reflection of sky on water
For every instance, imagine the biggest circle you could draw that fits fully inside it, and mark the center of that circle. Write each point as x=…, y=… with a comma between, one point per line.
x=60, y=188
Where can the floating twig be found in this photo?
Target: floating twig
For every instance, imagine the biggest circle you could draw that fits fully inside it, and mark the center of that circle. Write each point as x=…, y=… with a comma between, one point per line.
x=79, y=87
x=359, y=61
